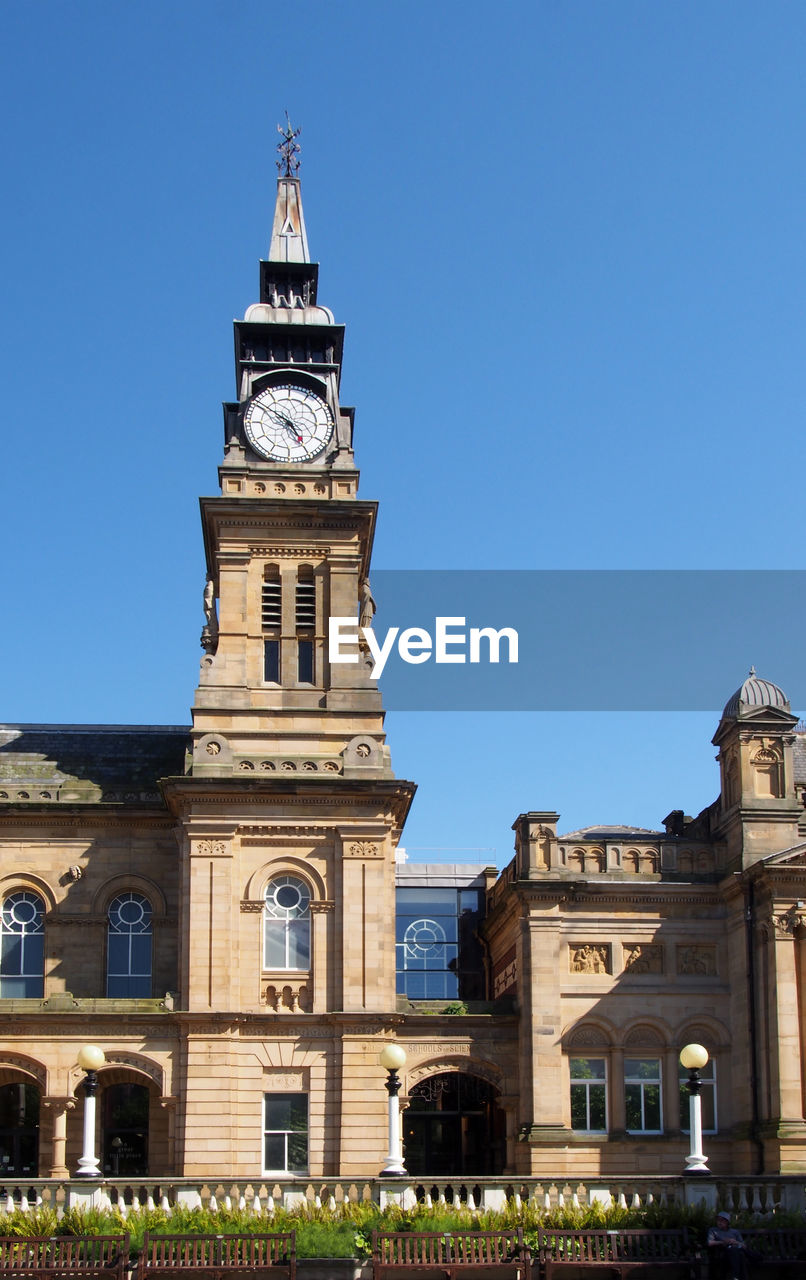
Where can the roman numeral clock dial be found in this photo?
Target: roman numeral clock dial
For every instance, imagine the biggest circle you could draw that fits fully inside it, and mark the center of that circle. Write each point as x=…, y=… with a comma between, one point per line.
x=288, y=424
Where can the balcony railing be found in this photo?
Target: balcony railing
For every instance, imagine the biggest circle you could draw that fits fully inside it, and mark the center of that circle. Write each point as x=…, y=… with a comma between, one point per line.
x=761, y=1196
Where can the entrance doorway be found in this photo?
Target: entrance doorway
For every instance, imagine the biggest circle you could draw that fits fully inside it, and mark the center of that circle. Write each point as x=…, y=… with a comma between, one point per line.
x=19, y=1130
x=453, y=1126
x=125, y=1130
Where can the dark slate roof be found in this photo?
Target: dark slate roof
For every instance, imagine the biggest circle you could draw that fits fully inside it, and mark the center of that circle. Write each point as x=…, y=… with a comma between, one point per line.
x=88, y=762
x=610, y=833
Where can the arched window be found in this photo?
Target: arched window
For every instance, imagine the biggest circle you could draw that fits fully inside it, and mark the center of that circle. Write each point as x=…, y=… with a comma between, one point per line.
x=287, y=924
x=128, y=954
x=22, y=961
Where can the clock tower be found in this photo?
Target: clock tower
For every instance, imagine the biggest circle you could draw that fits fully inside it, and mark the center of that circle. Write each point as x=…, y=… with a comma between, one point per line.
x=288, y=544
x=289, y=812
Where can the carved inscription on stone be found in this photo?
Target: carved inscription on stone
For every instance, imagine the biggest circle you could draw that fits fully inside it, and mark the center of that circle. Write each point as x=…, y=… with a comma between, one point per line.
x=438, y=1047
x=284, y=1081
x=589, y=957
x=697, y=960
x=643, y=957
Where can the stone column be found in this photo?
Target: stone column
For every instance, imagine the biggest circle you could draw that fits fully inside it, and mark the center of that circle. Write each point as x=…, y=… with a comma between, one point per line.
x=786, y=1085
x=320, y=975
x=59, y=1107
x=615, y=1084
x=168, y=1105
x=509, y=1105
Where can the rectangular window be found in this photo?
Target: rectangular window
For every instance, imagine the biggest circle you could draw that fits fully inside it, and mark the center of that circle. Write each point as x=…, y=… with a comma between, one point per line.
x=21, y=966
x=271, y=617
x=589, y=1095
x=305, y=619
x=305, y=661
x=287, y=943
x=128, y=965
x=438, y=951
x=271, y=661
x=285, y=1133
x=642, y=1095
x=707, y=1096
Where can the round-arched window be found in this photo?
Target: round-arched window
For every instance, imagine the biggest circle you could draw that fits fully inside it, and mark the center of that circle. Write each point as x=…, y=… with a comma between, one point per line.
x=22, y=953
x=128, y=953
x=287, y=924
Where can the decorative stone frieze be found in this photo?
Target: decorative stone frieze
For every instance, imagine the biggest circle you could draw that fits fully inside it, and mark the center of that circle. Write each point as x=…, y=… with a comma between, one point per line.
x=643, y=957
x=589, y=957
x=697, y=960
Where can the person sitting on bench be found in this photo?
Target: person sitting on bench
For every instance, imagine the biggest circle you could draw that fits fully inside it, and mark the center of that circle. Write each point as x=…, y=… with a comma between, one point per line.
x=731, y=1246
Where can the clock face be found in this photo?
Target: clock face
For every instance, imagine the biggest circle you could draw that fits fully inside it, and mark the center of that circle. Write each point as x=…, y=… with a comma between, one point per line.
x=288, y=424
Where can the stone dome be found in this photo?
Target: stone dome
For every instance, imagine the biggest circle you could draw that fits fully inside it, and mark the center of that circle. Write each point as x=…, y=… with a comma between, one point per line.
x=755, y=692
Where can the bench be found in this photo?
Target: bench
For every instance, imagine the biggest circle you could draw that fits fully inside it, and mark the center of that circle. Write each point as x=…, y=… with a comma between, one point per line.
x=774, y=1251
x=218, y=1257
x=62, y=1256
x=636, y=1251
x=453, y=1255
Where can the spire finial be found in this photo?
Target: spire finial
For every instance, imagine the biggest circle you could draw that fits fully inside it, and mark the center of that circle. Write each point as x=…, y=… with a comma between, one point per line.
x=752, y=671
x=288, y=164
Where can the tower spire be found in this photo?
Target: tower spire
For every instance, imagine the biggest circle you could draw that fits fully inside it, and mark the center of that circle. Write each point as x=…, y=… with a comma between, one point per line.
x=289, y=241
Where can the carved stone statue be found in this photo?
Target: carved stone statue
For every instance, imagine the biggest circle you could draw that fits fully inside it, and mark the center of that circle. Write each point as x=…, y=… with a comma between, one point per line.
x=366, y=605
x=209, y=635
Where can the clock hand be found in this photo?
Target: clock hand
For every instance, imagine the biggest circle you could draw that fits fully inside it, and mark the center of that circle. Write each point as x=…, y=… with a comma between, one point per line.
x=287, y=423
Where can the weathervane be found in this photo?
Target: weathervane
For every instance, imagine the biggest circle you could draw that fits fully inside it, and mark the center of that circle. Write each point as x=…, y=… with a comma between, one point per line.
x=288, y=164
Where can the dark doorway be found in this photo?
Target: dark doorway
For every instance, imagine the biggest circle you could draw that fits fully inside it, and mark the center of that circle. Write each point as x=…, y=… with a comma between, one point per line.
x=125, y=1130
x=453, y=1126
x=19, y=1130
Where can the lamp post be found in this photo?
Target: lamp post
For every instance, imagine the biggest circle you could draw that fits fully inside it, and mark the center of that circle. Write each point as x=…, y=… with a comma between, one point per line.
x=391, y=1058
x=694, y=1057
x=90, y=1059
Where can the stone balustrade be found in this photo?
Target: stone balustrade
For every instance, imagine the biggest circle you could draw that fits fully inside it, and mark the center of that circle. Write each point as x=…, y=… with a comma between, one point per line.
x=761, y=1196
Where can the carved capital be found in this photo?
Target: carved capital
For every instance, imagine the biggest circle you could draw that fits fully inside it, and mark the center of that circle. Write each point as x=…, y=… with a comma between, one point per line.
x=210, y=848
x=321, y=908
x=788, y=923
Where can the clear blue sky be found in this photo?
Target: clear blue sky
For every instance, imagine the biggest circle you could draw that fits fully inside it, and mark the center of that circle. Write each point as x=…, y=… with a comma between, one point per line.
x=567, y=240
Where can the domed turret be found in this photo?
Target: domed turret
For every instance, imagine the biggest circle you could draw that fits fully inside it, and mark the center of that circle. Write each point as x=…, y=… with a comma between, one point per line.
x=753, y=694
x=758, y=808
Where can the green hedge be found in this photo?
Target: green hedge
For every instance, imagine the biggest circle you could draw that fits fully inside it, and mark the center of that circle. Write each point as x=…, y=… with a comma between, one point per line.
x=346, y=1231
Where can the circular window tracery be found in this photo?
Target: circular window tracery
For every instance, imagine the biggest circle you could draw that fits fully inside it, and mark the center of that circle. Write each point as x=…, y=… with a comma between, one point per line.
x=287, y=898
x=425, y=938
x=23, y=912
x=130, y=913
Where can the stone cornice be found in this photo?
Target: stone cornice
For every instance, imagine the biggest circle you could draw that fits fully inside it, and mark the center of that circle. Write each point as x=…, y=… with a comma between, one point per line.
x=287, y=552
x=95, y=812
x=567, y=894
x=274, y=830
